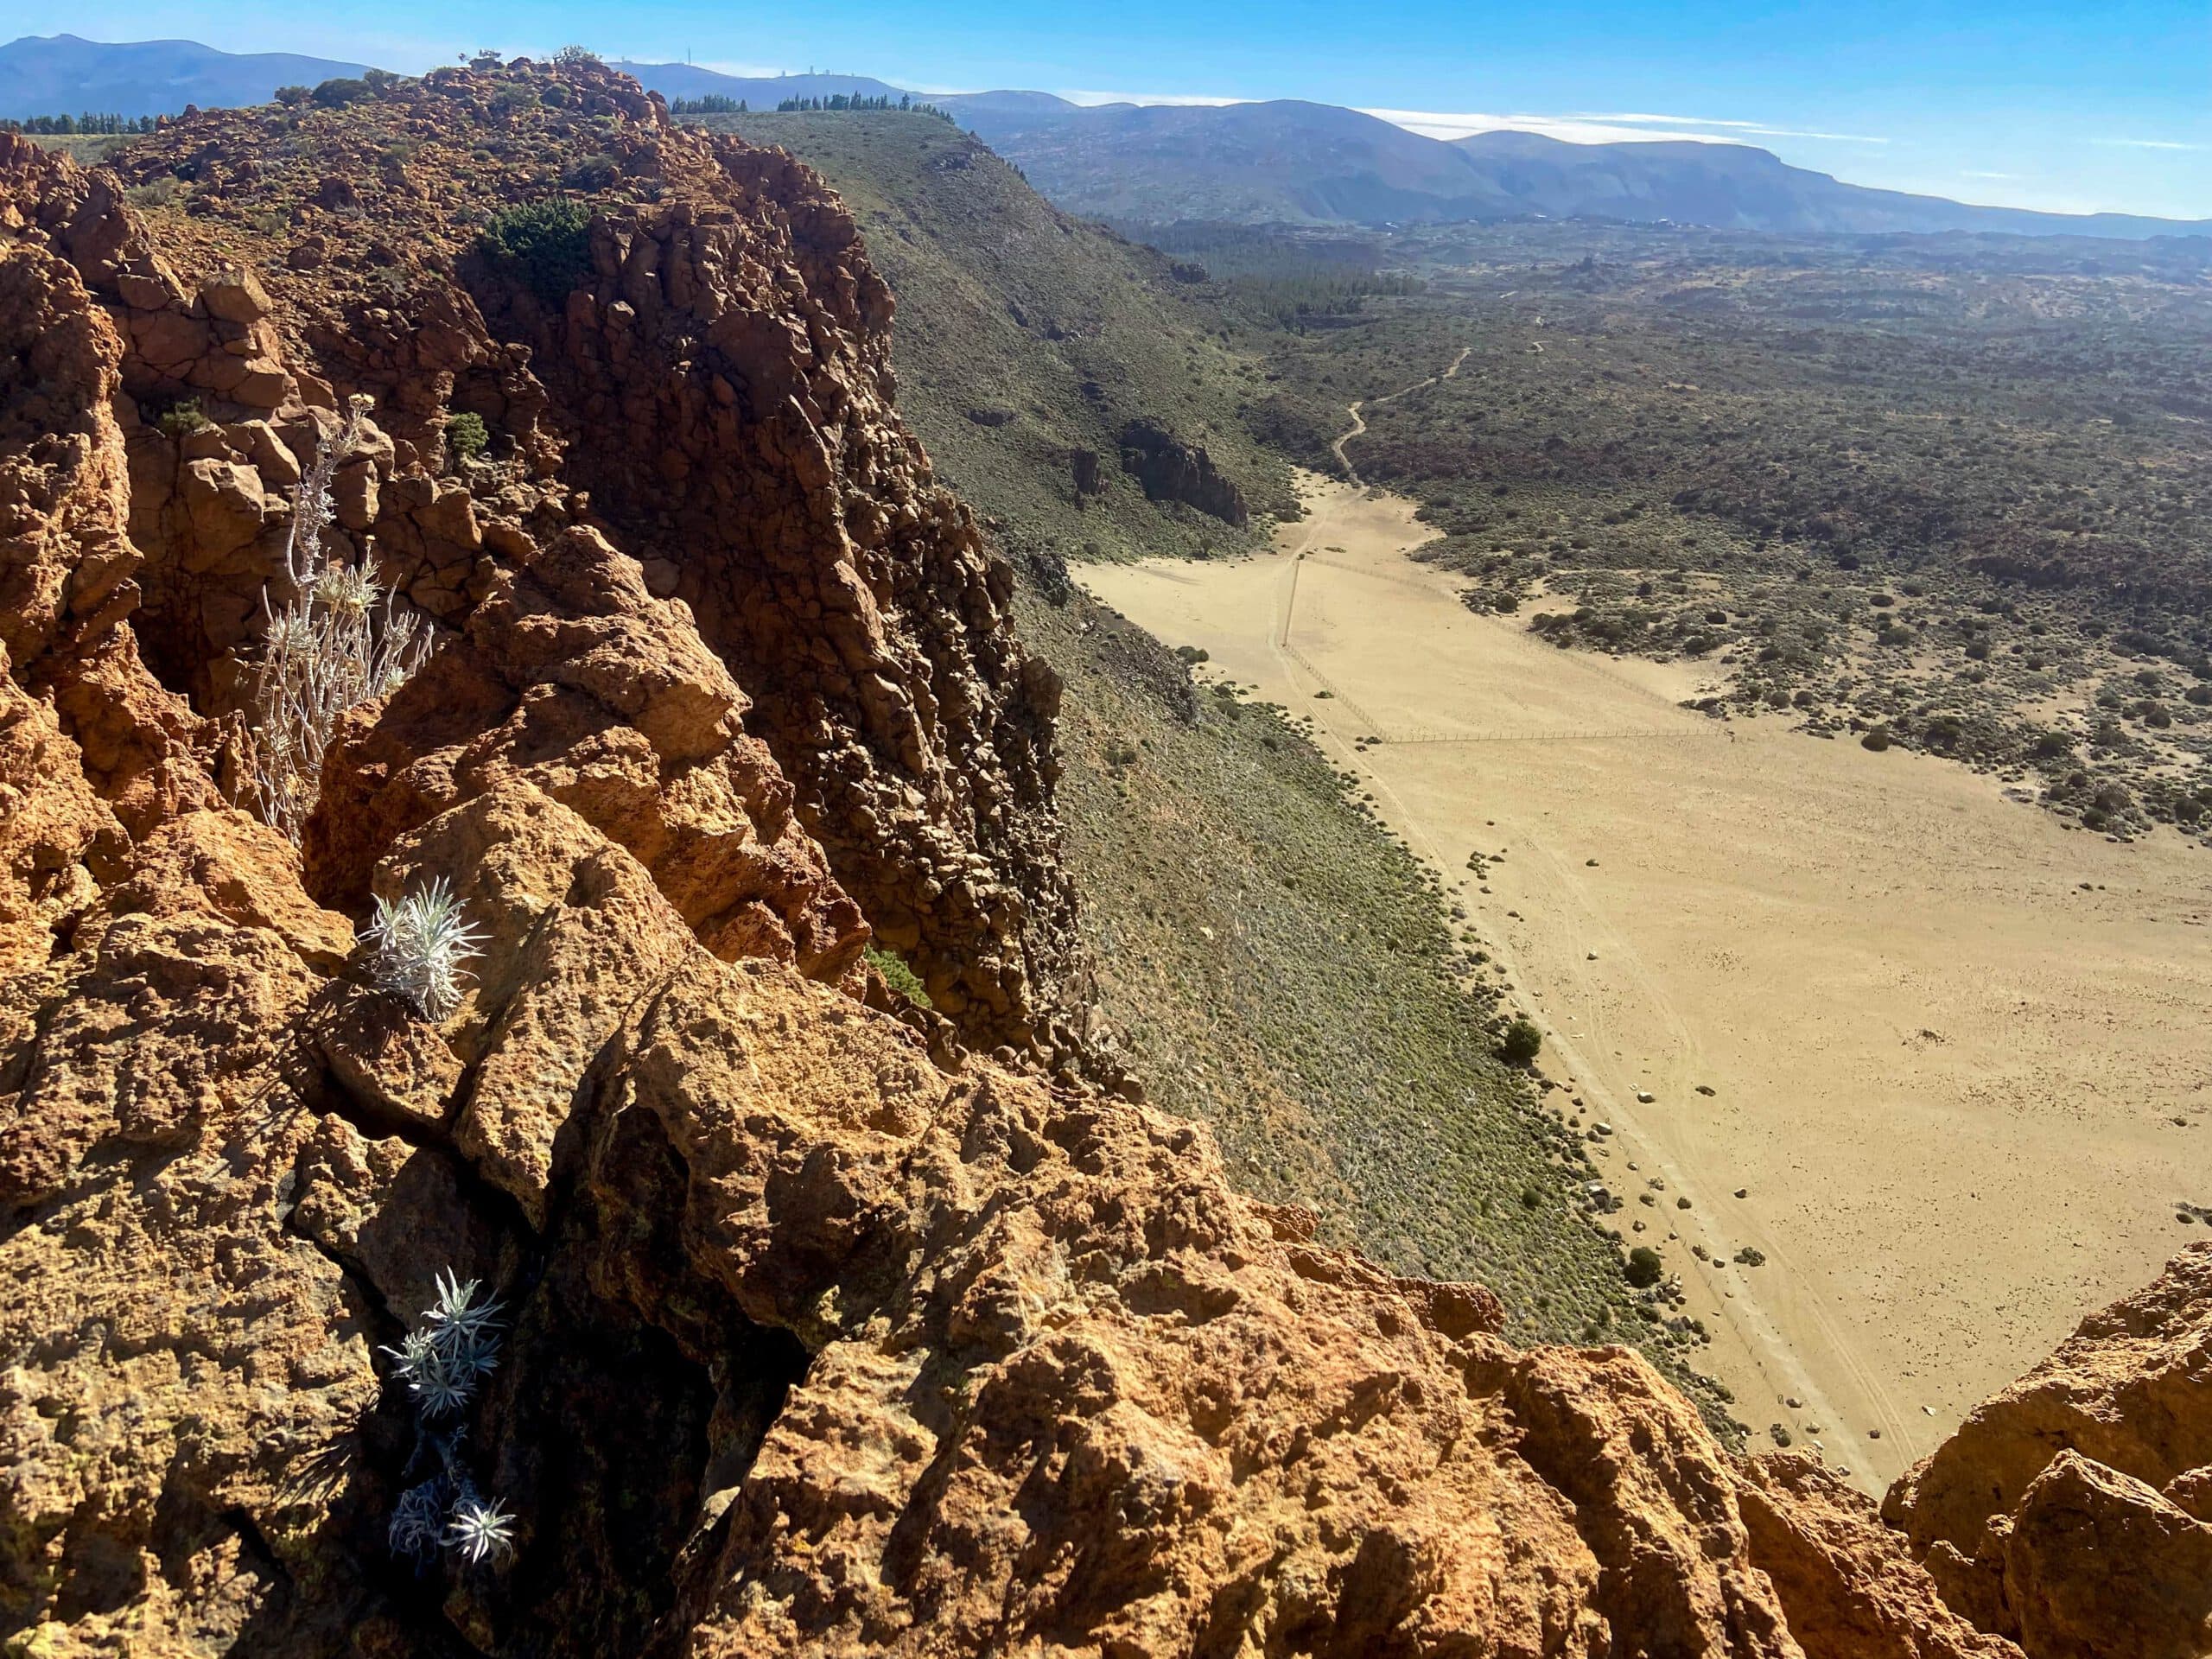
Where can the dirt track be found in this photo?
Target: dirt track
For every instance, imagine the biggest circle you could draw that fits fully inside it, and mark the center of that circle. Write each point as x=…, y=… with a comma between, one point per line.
x=1947, y=1077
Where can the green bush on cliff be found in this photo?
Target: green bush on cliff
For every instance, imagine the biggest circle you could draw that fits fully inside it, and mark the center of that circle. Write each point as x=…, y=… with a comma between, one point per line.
x=547, y=244
x=1521, y=1044
x=899, y=975
x=466, y=436
x=182, y=418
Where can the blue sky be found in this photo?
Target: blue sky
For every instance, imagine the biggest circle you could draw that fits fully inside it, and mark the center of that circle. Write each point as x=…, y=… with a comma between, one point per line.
x=2075, y=107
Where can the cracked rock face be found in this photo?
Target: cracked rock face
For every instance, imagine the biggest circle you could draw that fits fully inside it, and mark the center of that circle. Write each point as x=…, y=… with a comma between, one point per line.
x=2073, y=1512
x=817, y=1338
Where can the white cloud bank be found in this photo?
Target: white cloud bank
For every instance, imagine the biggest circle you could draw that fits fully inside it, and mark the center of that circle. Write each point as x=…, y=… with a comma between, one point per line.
x=1607, y=129
x=1635, y=127
x=1181, y=100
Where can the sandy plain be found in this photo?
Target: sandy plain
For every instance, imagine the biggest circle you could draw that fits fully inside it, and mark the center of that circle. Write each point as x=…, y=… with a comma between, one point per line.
x=1959, y=1058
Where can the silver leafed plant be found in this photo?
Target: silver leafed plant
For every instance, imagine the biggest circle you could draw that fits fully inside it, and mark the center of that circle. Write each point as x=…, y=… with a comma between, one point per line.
x=421, y=947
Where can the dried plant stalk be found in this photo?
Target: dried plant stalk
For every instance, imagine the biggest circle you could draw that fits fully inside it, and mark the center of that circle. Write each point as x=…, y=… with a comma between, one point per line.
x=337, y=643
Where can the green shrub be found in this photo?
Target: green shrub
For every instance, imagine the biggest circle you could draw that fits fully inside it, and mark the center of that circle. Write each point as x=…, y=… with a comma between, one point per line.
x=1521, y=1044
x=466, y=436
x=1876, y=739
x=289, y=96
x=898, y=975
x=340, y=91
x=547, y=244
x=182, y=418
x=1646, y=1268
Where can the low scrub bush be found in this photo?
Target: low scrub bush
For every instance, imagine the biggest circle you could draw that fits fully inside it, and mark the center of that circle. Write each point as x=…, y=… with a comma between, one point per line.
x=1520, y=1043
x=899, y=975
x=546, y=246
x=182, y=418
x=1646, y=1266
x=466, y=436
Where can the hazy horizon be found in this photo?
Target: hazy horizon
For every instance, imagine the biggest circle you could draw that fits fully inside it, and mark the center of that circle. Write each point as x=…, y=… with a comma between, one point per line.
x=2032, y=106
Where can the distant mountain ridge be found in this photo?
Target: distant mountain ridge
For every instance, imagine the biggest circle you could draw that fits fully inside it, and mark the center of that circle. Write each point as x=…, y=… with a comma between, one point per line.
x=1285, y=160
x=58, y=74
x=1276, y=161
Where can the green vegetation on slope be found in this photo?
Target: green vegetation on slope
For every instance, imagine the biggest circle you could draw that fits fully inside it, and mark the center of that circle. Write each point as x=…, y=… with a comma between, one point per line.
x=1274, y=963
x=1952, y=488
x=1024, y=335
x=1281, y=968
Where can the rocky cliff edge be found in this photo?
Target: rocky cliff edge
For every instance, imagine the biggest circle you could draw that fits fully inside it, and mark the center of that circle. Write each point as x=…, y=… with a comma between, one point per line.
x=823, y=1330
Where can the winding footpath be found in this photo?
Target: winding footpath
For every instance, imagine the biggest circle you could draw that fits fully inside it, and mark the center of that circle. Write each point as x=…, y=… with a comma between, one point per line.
x=1359, y=421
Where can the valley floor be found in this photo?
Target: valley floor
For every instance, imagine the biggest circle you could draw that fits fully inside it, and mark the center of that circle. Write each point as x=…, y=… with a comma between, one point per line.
x=1952, y=1053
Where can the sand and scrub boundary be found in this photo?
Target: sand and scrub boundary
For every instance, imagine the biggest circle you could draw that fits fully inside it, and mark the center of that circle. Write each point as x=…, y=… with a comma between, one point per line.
x=1927, y=1073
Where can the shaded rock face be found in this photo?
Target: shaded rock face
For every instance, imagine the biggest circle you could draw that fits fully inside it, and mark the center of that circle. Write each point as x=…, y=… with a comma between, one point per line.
x=1171, y=470
x=812, y=1344
x=2073, y=1512
x=711, y=399
x=724, y=373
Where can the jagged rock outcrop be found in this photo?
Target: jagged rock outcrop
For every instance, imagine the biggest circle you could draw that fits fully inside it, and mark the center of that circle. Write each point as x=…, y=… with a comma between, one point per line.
x=1171, y=470
x=817, y=1338
x=68, y=568
x=813, y=1348
x=708, y=389
x=2073, y=1512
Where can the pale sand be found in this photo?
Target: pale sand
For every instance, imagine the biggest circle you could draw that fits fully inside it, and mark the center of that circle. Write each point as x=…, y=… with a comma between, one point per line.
x=1947, y=1076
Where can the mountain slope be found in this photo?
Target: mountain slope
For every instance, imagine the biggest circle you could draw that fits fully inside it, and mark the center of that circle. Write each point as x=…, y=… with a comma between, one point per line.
x=1736, y=186
x=807, y=1342
x=1271, y=961
x=47, y=75
x=1027, y=336
x=1282, y=161
x=1279, y=162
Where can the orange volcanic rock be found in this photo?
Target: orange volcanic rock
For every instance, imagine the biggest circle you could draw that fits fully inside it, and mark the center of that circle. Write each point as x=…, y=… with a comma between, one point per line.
x=2071, y=1506
x=817, y=1338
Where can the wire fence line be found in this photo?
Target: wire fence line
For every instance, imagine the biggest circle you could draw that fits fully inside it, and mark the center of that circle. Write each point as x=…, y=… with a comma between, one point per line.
x=1572, y=734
